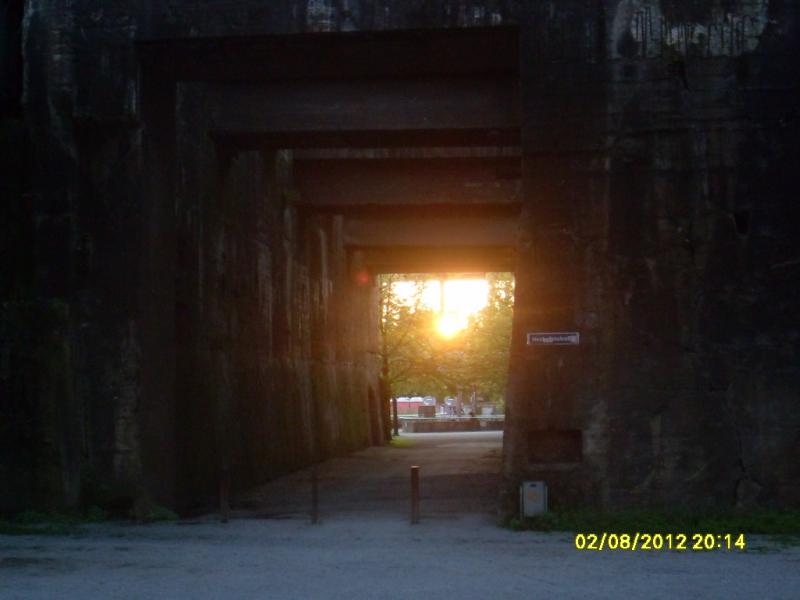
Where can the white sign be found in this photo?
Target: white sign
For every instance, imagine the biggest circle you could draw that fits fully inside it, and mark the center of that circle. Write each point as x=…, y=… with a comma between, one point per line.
x=554, y=338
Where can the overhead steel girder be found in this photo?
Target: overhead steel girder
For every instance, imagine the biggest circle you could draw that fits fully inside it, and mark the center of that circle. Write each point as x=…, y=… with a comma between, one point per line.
x=294, y=109
x=452, y=259
x=435, y=181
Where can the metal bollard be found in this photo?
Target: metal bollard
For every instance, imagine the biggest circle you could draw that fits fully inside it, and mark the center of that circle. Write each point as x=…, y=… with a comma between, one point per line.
x=314, y=496
x=414, y=495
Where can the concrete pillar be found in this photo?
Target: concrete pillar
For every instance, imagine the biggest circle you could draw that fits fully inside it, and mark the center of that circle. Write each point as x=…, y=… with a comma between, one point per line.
x=156, y=313
x=561, y=97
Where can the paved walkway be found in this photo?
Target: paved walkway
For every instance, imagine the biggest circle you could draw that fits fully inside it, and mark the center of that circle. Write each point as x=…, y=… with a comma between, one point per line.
x=459, y=474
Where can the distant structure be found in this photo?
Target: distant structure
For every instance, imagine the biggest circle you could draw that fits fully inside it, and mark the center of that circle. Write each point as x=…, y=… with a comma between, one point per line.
x=198, y=195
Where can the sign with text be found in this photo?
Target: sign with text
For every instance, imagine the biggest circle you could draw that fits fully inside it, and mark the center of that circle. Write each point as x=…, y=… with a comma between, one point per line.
x=554, y=338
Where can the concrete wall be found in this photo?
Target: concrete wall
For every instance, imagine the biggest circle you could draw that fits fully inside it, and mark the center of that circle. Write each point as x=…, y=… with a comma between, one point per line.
x=276, y=341
x=659, y=159
x=148, y=344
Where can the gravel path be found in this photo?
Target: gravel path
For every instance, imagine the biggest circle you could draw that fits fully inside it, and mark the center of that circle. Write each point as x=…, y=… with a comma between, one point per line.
x=364, y=547
x=374, y=557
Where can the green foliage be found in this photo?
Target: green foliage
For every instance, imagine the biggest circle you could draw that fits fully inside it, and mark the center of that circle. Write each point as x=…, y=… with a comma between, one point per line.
x=160, y=513
x=13, y=528
x=32, y=522
x=400, y=442
x=769, y=522
x=487, y=341
x=419, y=361
x=95, y=514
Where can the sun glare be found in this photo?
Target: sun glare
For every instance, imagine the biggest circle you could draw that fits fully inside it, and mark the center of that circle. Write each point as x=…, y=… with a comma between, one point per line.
x=450, y=324
x=461, y=298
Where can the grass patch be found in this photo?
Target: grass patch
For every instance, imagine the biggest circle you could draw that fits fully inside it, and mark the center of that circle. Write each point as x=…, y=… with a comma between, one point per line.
x=12, y=528
x=32, y=522
x=95, y=514
x=401, y=442
x=160, y=513
x=786, y=540
x=783, y=525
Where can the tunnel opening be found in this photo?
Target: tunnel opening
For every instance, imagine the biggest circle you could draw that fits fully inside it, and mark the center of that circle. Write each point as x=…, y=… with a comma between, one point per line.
x=445, y=350
x=445, y=344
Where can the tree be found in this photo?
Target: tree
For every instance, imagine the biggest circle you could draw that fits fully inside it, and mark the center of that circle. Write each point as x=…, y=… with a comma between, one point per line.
x=488, y=339
x=418, y=361
x=408, y=343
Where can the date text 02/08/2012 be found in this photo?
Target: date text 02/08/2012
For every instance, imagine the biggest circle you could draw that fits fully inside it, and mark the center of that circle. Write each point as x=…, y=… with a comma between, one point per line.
x=648, y=542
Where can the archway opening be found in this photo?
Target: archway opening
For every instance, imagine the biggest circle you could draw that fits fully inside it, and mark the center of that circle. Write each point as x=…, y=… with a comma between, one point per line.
x=445, y=346
x=445, y=341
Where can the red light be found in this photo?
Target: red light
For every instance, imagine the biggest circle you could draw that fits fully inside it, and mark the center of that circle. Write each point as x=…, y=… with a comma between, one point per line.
x=362, y=277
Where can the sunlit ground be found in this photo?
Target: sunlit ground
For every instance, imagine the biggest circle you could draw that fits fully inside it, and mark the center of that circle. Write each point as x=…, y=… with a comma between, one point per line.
x=461, y=298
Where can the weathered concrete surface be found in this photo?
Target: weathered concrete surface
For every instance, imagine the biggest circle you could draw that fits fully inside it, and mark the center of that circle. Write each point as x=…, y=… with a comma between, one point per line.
x=171, y=310
x=660, y=226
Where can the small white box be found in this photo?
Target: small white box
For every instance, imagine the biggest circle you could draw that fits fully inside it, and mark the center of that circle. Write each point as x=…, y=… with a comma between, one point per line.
x=532, y=498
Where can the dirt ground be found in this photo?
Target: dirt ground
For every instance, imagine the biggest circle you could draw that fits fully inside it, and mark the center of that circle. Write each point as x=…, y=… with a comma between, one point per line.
x=365, y=548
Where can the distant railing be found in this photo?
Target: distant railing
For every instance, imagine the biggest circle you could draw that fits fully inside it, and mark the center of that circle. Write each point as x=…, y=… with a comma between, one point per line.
x=448, y=423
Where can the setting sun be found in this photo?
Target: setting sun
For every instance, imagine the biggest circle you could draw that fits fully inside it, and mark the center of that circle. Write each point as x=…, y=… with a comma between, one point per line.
x=449, y=325
x=461, y=298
